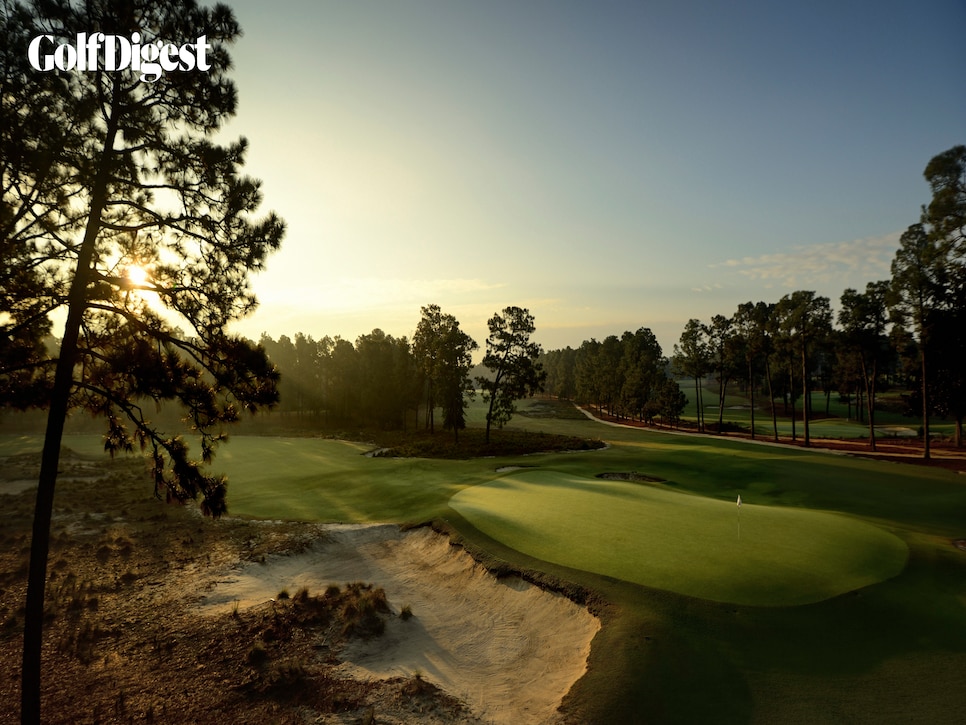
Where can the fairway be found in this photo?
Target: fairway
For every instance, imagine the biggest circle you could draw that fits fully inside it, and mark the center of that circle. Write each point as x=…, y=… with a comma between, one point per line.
x=656, y=535
x=651, y=535
x=668, y=554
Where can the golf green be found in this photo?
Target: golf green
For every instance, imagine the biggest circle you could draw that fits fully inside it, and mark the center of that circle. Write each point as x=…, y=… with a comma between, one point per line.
x=656, y=536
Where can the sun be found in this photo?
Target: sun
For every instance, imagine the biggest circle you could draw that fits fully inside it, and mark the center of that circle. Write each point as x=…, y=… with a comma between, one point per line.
x=136, y=276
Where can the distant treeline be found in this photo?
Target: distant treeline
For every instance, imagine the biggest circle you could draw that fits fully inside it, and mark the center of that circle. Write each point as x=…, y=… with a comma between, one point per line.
x=375, y=381
x=626, y=377
x=384, y=381
x=908, y=328
x=778, y=354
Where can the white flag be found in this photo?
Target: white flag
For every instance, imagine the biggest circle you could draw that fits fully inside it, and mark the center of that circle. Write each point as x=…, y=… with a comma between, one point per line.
x=739, y=500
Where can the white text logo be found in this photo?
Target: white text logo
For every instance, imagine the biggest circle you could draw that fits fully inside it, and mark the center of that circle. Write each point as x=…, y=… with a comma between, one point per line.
x=115, y=52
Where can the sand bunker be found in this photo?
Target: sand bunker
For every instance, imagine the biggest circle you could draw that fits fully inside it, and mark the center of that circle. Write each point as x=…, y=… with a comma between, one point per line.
x=510, y=650
x=895, y=431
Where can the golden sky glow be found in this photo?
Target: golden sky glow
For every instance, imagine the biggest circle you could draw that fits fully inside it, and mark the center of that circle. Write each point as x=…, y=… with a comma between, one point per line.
x=608, y=165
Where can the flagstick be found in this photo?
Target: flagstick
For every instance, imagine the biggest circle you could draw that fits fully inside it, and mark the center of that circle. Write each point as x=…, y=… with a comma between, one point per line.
x=739, y=517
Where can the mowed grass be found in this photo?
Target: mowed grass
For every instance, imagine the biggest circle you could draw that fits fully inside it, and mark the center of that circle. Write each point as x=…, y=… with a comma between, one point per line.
x=313, y=479
x=892, y=651
x=690, y=544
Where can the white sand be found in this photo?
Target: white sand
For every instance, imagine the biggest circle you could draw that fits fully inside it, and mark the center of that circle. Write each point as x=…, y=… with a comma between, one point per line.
x=510, y=650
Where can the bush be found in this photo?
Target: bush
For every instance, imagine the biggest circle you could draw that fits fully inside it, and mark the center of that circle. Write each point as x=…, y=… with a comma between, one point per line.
x=361, y=609
x=301, y=596
x=257, y=655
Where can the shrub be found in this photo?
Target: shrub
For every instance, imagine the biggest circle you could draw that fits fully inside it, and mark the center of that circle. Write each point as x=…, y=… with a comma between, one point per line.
x=361, y=609
x=285, y=675
x=301, y=596
x=257, y=655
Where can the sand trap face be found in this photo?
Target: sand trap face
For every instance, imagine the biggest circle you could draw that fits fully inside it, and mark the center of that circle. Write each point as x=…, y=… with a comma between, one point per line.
x=510, y=650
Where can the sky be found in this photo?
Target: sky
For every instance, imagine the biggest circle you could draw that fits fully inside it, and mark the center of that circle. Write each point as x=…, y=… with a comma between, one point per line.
x=607, y=165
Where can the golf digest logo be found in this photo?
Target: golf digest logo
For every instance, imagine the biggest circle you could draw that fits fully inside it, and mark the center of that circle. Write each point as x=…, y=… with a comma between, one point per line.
x=115, y=52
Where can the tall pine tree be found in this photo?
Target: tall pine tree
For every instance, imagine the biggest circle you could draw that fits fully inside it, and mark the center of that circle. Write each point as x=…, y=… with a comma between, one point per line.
x=121, y=209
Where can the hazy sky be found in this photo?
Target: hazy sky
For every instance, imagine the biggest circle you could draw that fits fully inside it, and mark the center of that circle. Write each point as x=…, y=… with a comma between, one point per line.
x=608, y=165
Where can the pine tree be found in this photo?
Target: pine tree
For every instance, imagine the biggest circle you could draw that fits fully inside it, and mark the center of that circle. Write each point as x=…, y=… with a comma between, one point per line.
x=511, y=358
x=123, y=211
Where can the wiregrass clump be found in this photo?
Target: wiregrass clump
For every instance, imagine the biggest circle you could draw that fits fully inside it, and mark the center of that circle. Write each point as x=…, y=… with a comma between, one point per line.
x=358, y=610
x=362, y=609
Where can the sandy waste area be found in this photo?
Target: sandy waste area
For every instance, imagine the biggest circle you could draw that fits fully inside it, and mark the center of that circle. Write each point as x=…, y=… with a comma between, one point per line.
x=508, y=649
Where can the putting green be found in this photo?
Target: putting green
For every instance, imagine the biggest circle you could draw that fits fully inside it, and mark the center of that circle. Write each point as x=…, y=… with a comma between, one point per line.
x=658, y=537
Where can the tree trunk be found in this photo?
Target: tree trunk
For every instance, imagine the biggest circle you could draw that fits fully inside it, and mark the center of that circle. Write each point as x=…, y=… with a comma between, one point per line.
x=697, y=402
x=751, y=385
x=771, y=396
x=925, y=401
x=722, y=392
x=489, y=410
x=870, y=399
x=806, y=395
x=50, y=458
x=791, y=397
x=43, y=510
x=704, y=420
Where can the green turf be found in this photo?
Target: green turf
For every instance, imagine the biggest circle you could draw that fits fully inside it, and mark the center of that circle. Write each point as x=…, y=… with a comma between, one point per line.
x=891, y=651
x=86, y=445
x=328, y=480
x=756, y=554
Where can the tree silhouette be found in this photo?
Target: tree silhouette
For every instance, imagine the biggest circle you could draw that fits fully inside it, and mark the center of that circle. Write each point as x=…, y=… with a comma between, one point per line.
x=126, y=177
x=511, y=358
x=691, y=358
x=722, y=355
x=863, y=317
x=36, y=130
x=914, y=295
x=928, y=287
x=805, y=318
x=641, y=370
x=426, y=349
x=753, y=322
x=444, y=354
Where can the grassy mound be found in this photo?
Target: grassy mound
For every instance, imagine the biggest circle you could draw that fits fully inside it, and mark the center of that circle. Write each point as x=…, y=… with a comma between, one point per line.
x=690, y=544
